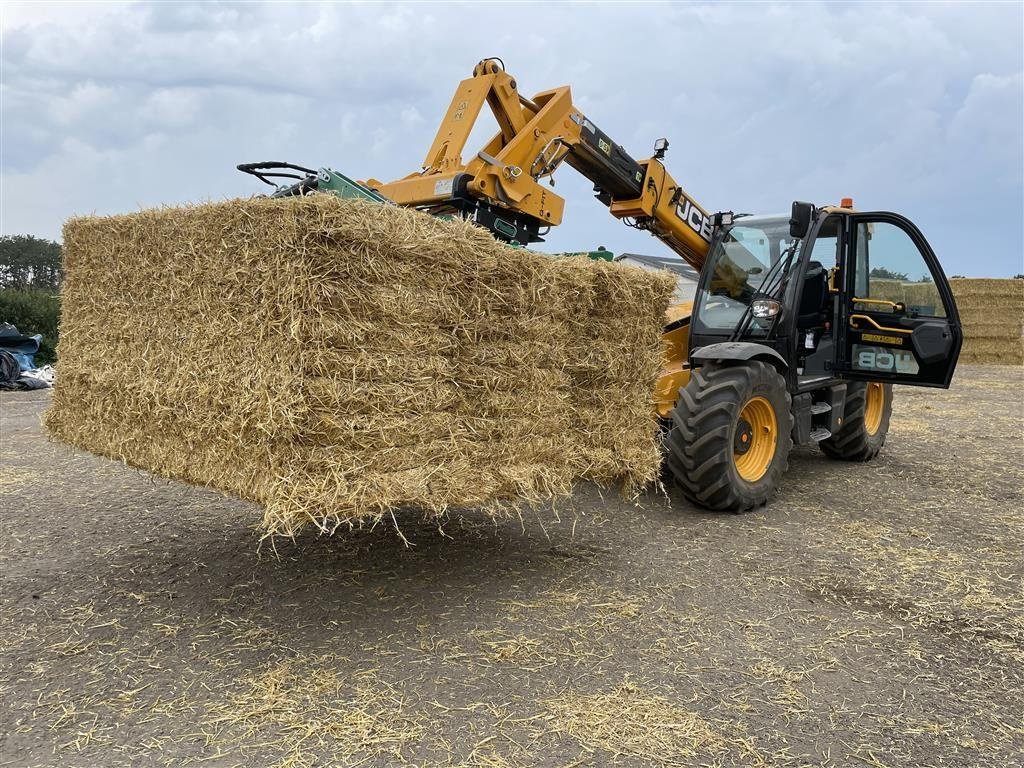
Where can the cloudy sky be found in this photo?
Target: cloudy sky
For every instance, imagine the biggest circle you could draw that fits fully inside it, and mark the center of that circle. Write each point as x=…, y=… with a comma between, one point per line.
x=915, y=108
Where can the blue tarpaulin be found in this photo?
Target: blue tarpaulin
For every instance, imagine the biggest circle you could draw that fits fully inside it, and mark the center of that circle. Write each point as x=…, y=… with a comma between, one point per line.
x=22, y=348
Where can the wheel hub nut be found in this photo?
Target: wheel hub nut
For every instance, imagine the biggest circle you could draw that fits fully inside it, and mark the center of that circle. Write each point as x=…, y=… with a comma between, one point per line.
x=744, y=437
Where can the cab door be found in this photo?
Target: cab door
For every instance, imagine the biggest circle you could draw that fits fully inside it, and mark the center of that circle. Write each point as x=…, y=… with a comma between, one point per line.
x=897, y=321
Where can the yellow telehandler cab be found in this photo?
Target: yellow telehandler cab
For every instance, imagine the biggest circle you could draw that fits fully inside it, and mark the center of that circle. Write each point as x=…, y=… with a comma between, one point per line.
x=801, y=322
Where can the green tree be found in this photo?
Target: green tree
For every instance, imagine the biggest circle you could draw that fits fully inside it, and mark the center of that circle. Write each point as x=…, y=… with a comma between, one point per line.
x=29, y=262
x=31, y=311
x=887, y=274
x=30, y=278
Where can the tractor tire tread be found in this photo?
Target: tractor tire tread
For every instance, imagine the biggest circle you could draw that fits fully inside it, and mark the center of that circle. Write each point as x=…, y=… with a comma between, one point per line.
x=699, y=453
x=852, y=441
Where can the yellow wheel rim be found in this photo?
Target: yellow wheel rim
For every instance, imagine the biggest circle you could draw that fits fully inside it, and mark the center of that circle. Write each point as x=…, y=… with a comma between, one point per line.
x=757, y=434
x=874, y=405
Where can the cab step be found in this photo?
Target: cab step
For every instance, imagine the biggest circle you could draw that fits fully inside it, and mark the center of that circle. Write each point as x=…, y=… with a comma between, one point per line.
x=820, y=407
x=820, y=434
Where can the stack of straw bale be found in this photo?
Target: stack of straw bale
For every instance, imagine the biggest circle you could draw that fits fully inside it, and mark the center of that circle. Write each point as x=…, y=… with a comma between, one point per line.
x=333, y=360
x=991, y=311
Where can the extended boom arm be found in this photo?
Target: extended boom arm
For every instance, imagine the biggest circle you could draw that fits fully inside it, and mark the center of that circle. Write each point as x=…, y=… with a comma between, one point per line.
x=500, y=186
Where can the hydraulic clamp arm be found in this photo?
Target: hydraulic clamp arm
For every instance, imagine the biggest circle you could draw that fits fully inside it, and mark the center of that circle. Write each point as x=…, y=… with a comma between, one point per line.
x=501, y=185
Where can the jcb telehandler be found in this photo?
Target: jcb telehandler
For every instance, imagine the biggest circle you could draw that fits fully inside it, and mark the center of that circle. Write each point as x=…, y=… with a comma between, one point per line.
x=798, y=330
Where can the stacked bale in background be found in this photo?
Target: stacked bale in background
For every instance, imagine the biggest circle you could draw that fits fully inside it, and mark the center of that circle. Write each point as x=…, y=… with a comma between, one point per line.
x=991, y=312
x=334, y=360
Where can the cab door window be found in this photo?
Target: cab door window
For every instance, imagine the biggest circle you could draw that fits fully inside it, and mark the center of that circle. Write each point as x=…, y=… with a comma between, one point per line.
x=898, y=321
x=891, y=274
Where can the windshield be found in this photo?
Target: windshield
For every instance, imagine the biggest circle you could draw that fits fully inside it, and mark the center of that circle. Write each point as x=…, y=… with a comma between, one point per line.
x=740, y=262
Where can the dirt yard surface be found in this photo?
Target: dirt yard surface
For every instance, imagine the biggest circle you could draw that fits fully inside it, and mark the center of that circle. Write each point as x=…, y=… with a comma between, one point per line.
x=870, y=615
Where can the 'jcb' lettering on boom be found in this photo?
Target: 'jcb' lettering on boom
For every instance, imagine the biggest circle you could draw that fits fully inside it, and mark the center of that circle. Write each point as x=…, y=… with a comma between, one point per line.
x=695, y=217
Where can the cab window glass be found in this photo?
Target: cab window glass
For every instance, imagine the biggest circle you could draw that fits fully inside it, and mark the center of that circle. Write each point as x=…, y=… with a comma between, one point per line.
x=754, y=258
x=862, y=269
x=826, y=244
x=890, y=268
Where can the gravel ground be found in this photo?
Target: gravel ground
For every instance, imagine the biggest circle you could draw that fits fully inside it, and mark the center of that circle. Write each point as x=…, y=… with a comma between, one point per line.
x=870, y=615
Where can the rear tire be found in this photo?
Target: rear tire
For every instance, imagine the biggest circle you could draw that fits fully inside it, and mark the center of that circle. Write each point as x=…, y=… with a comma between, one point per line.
x=865, y=422
x=731, y=436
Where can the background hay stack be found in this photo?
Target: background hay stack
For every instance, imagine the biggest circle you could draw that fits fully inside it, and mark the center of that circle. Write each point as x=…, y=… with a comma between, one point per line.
x=991, y=311
x=333, y=360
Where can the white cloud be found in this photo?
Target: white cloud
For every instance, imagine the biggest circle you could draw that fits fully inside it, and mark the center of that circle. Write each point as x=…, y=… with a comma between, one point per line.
x=411, y=117
x=84, y=100
x=172, y=107
x=985, y=121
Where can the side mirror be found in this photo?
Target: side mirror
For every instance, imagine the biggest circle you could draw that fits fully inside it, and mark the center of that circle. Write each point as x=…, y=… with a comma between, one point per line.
x=800, y=219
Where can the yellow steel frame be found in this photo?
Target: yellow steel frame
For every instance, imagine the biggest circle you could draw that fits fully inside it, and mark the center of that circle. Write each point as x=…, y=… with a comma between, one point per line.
x=502, y=170
x=534, y=138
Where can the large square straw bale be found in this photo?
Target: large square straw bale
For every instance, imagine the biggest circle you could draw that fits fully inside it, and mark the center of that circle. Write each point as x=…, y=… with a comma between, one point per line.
x=333, y=360
x=991, y=312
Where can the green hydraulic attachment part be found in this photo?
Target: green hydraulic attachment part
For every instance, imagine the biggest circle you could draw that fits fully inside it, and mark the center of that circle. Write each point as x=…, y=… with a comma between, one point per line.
x=308, y=180
x=337, y=183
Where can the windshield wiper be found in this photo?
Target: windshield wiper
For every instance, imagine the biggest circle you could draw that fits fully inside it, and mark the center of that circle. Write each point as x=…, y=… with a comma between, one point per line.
x=773, y=280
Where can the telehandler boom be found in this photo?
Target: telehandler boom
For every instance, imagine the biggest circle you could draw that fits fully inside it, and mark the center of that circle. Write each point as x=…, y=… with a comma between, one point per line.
x=797, y=333
x=501, y=186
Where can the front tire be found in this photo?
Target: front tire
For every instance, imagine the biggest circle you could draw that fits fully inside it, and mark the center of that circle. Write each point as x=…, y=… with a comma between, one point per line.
x=731, y=436
x=866, y=417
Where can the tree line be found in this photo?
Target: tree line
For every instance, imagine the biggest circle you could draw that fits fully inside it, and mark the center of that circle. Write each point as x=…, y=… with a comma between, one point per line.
x=30, y=280
x=27, y=261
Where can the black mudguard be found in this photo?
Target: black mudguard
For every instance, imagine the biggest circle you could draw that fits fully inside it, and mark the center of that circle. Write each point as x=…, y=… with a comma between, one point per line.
x=738, y=350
